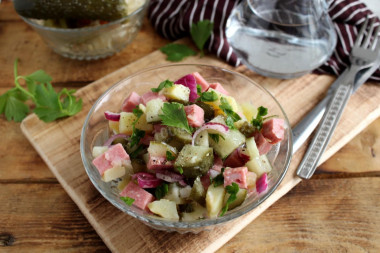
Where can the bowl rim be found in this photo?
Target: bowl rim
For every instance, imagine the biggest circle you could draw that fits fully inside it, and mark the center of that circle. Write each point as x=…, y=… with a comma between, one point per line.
x=170, y=224
x=31, y=22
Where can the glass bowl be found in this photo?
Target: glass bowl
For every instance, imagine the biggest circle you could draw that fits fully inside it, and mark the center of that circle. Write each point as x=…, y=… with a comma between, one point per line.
x=94, y=42
x=95, y=132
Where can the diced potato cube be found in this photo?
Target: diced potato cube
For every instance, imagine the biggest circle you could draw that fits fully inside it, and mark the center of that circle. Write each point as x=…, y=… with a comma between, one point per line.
x=114, y=126
x=202, y=139
x=215, y=104
x=98, y=150
x=174, y=194
x=258, y=164
x=214, y=200
x=113, y=173
x=198, y=212
x=126, y=123
x=123, y=183
x=158, y=149
x=177, y=92
x=164, y=208
x=153, y=110
x=249, y=111
x=240, y=197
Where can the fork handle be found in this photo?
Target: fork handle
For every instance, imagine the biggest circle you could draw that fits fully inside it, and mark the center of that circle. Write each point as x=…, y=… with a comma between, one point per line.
x=326, y=128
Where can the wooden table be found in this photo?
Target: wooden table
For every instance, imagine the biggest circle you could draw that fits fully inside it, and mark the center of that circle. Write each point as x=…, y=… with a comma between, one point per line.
x=335, y=211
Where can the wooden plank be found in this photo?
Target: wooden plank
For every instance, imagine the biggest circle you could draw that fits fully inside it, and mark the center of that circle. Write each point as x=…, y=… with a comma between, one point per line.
x=337, y=215
x=281, y=228
x=39, y=229
x=23, y=42
x=297, y=97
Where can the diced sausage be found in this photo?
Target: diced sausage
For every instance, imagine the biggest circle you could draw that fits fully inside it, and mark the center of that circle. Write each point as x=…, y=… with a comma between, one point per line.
x=195, y=115
x=262, y=144
x=218, y=87
x=274, y=130
x=236, y=175
x=236, y=159
x=131, y=102
x=159, y=163
x=201, y=81
x=150, y=95
x=142, y=198
x=115, y=156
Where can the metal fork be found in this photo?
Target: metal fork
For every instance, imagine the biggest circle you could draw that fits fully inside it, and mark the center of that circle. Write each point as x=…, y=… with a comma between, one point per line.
x=364, y=53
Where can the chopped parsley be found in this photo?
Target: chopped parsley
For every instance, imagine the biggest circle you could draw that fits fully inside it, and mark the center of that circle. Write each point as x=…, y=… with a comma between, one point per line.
x=134, y=154
x=258, y=121
x=201, y=32
x=208, y=96
x=215, y=137
x=137, y=134
x=164, y=84
x=218, y=180
x=232, y=189
x=231, y=116
x=129, y=201
x=174, y=115
x=180, y=170
x=161, y=191
x=199, y=90
x=169, y=156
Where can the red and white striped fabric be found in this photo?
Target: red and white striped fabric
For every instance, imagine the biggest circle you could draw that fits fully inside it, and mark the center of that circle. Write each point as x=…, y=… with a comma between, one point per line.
x=173, y=19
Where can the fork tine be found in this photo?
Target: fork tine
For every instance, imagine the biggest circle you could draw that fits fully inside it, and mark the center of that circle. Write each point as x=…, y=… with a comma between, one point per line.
x=360, y=34
x=376, y=45
x=367, y=38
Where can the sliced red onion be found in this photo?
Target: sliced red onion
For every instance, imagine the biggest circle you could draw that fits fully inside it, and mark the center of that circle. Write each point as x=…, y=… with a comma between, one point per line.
x=239, y=157
x=210, y=126
x=114, y=137
x=113, y=116
x=146, y=180
x=262, y=183
x=171, y=177
x=190, y=82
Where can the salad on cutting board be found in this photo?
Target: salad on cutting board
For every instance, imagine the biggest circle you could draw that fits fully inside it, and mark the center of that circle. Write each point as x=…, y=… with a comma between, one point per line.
x=187, y=150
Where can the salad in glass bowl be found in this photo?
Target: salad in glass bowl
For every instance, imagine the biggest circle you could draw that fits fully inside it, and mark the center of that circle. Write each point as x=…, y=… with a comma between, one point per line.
x=182, y=147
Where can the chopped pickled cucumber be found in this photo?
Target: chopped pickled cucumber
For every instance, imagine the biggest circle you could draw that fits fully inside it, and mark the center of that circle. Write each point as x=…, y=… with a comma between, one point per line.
x=240, y=197
x=194, y=160
x=214, y=200
x=209, y=112
x=198, y=212
x=198, y=192
x=72, y=9
x=181, y=135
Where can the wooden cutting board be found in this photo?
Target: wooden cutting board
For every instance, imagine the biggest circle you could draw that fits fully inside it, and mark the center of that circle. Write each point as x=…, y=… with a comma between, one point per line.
x=58, y=145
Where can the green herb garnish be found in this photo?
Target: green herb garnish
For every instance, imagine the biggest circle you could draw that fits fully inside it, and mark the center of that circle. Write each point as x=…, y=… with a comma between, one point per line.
x=138, y=113
x=231, y=116
x=232, y=189
x=129, y=201
x=49, y=105
x=218, y=180
x=176, y=52
x=169, y=156
x=174, y=115
x=215, y=137
x=199, y=90
x=134, y=154
x=137, y=134
x=161, y=191
x=201, y=32
x=180, y=170
x=164, y=84
x=208, y=96
x=258, y=121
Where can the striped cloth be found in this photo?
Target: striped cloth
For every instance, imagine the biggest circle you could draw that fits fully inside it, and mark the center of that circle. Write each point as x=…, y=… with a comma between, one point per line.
x=173, y=18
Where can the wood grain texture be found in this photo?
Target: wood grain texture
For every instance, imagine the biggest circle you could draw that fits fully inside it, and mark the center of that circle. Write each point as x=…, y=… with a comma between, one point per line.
x=337, y=215
x=64, y=160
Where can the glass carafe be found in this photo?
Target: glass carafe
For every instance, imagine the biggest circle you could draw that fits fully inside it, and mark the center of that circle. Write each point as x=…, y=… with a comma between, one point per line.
x=281, y=38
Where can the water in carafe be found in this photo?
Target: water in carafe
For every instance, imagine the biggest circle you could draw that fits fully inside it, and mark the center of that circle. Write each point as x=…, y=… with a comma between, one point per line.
x=281, y=38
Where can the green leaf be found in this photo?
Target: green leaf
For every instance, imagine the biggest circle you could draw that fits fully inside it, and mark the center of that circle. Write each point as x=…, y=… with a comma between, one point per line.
x=176, y=52
x=39, y=76
x=209, y=96
x=231, y=116
x=215, y=137
x=199, y=90
x=134, y=154
x=164, y=84
x=180, y=170
x=201, y=32
x=169, y=156
x=219, y=179
x=129, y=201
x=136, y=136
x=13, y=108
x=174, y=115
x=232, y=189
x=258, y=121
x=161, y=191
x=70, y=105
